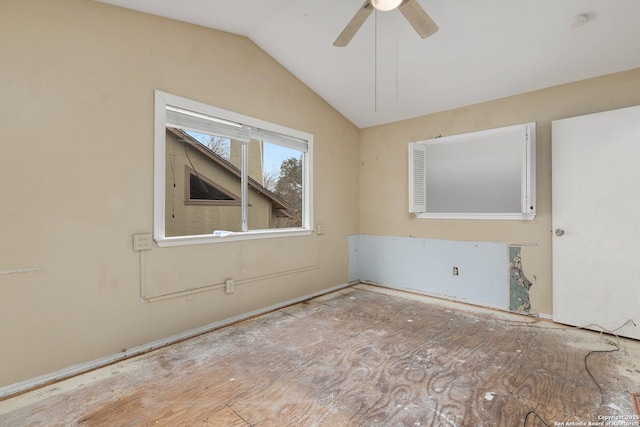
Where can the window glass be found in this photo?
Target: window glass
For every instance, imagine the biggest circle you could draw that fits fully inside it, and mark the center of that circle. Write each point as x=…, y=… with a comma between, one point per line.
x=218, y=144
x=199, y=189
x=278, y=171
x=480, y=175
x=202, y=191
x=221, y=174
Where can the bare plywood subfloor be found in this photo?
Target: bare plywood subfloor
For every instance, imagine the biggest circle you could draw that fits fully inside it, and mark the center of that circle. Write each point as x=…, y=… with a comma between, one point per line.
x=354, y=357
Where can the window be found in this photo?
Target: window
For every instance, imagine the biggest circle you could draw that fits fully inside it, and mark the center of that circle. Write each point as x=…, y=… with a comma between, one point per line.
x=222, y=176
x=202, y=190
x=480, y=175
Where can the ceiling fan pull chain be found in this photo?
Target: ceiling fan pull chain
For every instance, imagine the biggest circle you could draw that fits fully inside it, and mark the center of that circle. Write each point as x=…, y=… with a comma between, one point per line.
x=410, y=9
x=375, y=61
x=395, y=25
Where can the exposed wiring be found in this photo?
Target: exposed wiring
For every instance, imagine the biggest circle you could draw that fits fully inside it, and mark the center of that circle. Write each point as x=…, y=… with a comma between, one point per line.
x=173, y=172
x=535, y=414
x=586, y=366
x=616, y=344
x=204, y=187
x=173, y=190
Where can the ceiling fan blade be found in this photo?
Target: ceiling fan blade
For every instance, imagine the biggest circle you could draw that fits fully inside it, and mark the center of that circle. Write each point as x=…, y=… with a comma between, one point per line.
x=354, y=25
x=418, y=18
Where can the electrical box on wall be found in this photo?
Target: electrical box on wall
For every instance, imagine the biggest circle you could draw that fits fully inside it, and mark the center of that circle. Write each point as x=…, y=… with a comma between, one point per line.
x=229, y=286
x=142, y=242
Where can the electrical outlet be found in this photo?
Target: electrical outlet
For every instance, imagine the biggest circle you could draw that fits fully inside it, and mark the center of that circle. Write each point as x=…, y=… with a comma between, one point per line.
x=229, y=286
x=142, y=242
x=320, y=229
x=455, y=271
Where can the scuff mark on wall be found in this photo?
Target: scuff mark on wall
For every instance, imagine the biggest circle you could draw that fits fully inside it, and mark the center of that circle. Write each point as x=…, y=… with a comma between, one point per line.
x=21, y=270
x=519, y=285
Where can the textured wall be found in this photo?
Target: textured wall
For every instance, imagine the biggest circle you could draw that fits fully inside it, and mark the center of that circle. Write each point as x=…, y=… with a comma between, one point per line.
x=383, y=169
x=78, y=80
x=76, y=175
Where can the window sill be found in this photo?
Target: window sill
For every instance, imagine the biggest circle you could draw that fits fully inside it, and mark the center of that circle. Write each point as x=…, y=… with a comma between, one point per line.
x=231, y=237
x=489, y=216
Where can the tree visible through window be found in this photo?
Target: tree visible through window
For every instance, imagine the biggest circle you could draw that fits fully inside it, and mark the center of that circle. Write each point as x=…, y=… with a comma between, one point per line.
x=289, y=187
x=239, y=176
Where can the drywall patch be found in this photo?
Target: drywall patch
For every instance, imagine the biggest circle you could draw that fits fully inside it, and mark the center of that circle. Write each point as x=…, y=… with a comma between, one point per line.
x=518, y=284
x=426, y=265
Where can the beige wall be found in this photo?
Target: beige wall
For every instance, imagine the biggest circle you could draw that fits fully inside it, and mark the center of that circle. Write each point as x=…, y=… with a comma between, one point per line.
x=76, y=173
x=76, y=110
x=383, y=168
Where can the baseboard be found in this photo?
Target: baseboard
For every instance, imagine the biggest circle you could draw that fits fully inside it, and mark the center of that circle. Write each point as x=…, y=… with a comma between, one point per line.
x=71, y=371
x=435, y=296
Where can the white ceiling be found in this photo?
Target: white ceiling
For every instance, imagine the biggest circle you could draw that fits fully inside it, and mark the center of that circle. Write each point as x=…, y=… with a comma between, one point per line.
x=485, y=49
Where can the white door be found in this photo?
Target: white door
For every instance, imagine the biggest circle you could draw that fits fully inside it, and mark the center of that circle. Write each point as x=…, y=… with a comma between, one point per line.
x=596, y=220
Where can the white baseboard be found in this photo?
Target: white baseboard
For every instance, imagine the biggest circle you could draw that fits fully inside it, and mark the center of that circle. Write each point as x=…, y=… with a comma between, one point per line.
x=81, y=368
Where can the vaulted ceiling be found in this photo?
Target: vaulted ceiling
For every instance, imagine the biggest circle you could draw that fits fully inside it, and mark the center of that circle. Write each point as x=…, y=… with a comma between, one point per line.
x=485, y=49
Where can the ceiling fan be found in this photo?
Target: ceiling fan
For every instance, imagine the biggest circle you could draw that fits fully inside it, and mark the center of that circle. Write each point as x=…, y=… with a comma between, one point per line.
x=412, y=11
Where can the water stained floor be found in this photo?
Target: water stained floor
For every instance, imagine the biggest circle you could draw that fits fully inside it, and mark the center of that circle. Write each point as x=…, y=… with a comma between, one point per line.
x=360, y=356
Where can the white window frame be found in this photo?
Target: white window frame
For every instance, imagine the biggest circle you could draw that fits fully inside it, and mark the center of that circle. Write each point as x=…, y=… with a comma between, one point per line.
x=162, y=100
x=524, y=137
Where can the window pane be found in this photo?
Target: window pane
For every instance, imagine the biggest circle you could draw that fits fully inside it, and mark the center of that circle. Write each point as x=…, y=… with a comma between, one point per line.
x=217, y=171
x=202, y=185
x=475, y=176
x=275, y=192
x=218, y=144
x=201, y=190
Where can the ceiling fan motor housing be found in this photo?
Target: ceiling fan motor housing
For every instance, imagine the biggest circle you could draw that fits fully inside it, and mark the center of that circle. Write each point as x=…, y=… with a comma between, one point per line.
x=410, y=9
x=385, y=5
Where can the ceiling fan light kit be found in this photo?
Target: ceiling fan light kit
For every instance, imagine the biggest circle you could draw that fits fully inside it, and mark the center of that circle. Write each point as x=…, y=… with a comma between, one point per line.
x=385, y=5
x=410, y=9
